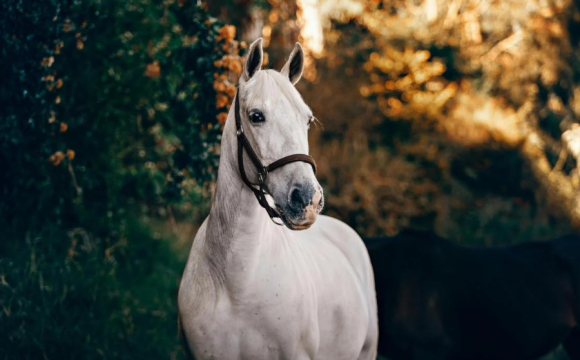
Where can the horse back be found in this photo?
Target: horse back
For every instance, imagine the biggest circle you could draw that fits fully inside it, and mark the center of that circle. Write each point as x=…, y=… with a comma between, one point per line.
x=412, y=275
x=480, y=303
x=512, y=302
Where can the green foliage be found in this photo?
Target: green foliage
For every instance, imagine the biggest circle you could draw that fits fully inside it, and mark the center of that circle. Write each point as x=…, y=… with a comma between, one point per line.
x=126, y=86
x=109, y=116
x=67, y=296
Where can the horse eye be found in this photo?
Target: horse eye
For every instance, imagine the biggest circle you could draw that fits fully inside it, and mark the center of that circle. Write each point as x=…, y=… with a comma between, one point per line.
x=256, y=116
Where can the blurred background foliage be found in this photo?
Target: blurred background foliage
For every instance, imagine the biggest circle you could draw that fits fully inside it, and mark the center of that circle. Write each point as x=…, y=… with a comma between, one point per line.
x=454, y=116
x=111, y=114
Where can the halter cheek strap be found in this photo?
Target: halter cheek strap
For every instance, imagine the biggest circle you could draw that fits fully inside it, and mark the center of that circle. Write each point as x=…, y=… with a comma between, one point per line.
x=263, y=171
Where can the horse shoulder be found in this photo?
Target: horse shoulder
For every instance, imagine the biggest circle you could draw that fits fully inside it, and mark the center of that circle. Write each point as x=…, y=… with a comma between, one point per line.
x=347, y=241
x=350, y=244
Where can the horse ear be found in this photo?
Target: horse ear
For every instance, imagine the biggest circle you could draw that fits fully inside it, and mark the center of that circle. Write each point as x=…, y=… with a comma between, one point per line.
x=294, y=67
x=254, y=59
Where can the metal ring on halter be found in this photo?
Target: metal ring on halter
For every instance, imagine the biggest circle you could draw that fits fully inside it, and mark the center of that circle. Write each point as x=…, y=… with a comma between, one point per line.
x=262, y=175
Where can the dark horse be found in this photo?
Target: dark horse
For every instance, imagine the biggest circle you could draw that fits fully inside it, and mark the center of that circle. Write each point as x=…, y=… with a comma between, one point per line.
x=438, y=300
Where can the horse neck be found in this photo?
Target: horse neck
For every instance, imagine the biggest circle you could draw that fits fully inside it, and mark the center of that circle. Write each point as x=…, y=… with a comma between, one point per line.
x=236, y=223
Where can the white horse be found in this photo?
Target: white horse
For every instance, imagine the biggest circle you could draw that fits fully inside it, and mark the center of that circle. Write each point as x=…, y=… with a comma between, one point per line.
x=255, y=290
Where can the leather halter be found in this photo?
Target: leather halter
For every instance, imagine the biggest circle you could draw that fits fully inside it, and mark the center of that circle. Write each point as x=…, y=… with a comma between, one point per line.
x=263, y=171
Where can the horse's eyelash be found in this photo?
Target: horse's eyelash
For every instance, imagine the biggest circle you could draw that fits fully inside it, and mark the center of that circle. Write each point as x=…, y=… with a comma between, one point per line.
x=313, y=120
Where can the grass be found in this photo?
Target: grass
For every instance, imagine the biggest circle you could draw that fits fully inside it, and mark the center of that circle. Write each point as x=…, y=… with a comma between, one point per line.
x=74, y=295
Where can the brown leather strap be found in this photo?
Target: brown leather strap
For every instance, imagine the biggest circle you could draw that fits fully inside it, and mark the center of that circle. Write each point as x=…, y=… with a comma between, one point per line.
x=290, y=159
x=243, y=144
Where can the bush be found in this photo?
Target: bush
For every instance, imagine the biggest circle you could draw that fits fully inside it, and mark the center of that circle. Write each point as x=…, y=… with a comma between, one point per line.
x=111, y=114
x=68, y=296
x=108, y=102
x=498, y=78
x=453, y=106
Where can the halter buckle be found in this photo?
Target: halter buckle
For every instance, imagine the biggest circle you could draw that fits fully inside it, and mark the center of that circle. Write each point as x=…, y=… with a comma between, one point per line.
x=240, y=131
x=262, y=175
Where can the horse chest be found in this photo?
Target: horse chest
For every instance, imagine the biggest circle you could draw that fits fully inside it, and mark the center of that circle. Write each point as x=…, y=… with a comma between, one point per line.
x=282, y=310
x=275, y=321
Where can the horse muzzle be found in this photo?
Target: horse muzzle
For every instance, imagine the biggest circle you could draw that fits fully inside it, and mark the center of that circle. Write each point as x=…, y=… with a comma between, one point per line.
x=304, y=205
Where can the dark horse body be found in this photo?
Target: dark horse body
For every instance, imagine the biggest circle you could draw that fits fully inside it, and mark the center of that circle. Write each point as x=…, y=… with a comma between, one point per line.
x=438, y=300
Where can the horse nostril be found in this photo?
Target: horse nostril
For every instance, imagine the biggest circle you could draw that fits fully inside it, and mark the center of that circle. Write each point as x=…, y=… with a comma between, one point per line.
x=297, y=200
x=300, y=196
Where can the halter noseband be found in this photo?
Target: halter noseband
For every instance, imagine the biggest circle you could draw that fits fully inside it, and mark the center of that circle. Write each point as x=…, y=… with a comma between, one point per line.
x=262, y=170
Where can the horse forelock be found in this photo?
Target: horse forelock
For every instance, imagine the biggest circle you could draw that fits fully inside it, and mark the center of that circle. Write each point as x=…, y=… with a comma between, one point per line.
x=271, y=85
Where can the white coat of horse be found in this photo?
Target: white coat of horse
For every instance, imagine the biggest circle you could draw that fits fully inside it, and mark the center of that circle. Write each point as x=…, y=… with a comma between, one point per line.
x=255, y=290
